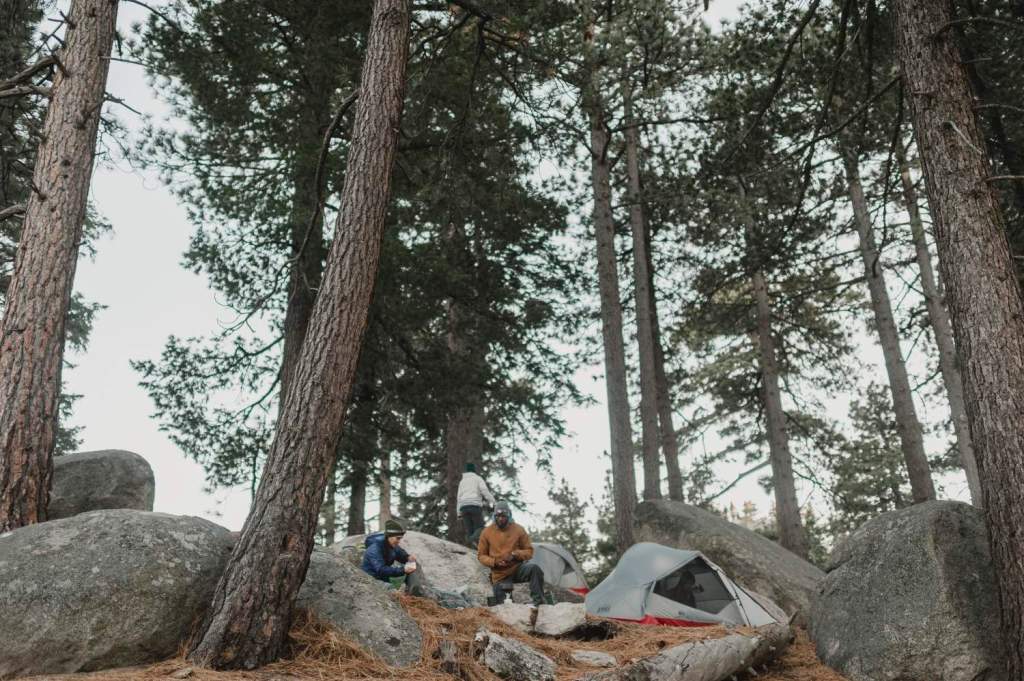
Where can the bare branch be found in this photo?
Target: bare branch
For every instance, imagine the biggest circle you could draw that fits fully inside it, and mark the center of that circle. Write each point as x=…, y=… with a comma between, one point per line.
x=741, y=476
x=117, y=100
x=24, y=75
x=1015, y=25
x=320, y=164
x=22, y=90
x=158, y=13
x=11, y=211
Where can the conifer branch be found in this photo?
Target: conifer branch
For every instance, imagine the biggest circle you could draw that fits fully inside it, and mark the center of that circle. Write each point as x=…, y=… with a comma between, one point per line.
x=777, y=79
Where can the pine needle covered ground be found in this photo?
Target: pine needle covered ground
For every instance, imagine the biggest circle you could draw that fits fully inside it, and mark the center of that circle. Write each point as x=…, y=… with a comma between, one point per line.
x=320, y=653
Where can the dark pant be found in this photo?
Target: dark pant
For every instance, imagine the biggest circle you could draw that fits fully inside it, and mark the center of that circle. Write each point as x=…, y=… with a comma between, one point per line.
x=525, y=572
x=413, y=581
x=472, y=519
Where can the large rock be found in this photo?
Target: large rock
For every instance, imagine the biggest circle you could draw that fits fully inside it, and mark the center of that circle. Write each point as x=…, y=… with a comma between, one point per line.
x=753, y=561
x=447, y=567
x=555, y=620
x=92, y=481
x=521, y=594
x=517, y=615
x=547, y=620
x=361, y=607
x=912, y=596
x=594, y=658
x=104, y=589
x=513, y=660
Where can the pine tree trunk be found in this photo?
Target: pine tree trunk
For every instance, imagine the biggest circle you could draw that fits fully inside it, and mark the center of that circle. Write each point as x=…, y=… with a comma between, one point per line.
x=463, y=443
x=248, y=621
x=623, y=474
x=17, y=24
x=787, y=508
x=307, y=252
x=982, y=292
x=644, y=330
x=911, y=433
x=998, y=141
x=669, y=438
x=32, y=331
x=403, y=491
x=463, y=440
x=385, y=488
x=943, y=330
x=356, y=520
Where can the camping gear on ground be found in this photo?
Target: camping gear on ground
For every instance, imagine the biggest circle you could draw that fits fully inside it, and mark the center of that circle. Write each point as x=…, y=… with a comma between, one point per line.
x=655, y=584
x=560, y=567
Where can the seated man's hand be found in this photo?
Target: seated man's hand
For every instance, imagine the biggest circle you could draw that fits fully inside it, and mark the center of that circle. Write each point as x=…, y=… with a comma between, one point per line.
x=509, y=558
x=409, y=568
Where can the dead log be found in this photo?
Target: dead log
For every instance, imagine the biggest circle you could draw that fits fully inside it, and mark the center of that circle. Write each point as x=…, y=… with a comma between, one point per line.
x=711, y=660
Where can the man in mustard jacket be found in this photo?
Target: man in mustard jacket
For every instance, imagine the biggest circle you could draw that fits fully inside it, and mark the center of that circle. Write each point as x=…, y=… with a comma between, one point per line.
x=505, y=547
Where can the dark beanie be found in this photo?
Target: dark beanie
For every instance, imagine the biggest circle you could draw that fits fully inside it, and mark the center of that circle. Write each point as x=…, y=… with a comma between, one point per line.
x=393, y=528
x=471, y=468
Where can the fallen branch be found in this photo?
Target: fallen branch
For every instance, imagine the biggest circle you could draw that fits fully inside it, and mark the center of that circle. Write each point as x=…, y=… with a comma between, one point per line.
x=710, y=660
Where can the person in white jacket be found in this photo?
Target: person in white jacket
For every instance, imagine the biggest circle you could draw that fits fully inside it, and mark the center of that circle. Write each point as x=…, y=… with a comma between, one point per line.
x=472, y=492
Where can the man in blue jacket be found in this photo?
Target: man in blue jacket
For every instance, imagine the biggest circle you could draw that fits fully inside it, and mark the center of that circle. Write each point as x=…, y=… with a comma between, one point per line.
x=383, y=551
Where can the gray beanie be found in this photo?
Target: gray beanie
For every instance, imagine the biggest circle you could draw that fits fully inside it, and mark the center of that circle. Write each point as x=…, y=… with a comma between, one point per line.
x=502, y=506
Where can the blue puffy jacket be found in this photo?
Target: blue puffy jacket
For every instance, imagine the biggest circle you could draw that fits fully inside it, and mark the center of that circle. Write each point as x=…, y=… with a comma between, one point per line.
x=379, y=556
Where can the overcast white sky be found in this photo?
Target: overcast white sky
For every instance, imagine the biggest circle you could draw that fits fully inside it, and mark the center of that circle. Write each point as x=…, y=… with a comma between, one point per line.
x=137, y=275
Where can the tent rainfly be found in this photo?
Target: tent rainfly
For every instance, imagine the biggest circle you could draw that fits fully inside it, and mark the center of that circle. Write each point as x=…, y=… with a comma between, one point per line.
x=655, y=584
x=559, y=566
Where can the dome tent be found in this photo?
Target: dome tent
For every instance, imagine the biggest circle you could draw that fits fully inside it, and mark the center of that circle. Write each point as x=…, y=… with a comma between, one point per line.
x=559, y=566
x=655, y=584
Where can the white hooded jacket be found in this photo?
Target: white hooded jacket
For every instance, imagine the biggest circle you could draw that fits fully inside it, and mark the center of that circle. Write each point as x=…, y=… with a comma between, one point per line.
x=473, y=490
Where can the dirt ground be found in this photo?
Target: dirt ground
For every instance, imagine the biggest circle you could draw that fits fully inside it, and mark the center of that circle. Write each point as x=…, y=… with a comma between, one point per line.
x=320, y=653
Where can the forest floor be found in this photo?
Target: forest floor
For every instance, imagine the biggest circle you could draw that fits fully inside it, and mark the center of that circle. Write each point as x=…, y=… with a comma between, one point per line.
x=320, y=653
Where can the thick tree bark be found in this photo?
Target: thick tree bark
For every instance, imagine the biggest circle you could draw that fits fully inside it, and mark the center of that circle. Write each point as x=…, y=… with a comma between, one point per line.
x=248, y=621
x=32, y=331
x=911, y=433
x=982, y=292
x=623, y=473
x=787, y=507
x=943, y=330
x=644, y=329
x=667, y=428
